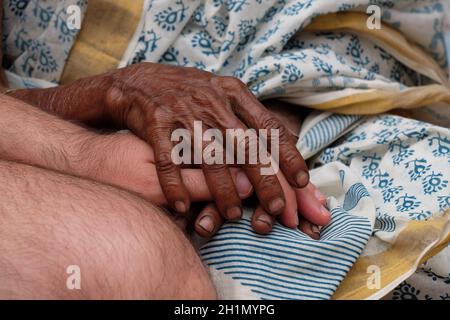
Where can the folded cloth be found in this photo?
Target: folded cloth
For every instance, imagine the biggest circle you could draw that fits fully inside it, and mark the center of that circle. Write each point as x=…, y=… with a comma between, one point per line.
x=296, y=50
x=286, y=264
x=388, y=187
x=430, y=282
x=404, y=165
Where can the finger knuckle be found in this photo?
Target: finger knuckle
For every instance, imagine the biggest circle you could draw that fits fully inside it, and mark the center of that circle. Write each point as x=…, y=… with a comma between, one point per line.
x=267, y=183
x=233, y=83
x=115, y=96
x=164, y=162
x=291, y=156
x=204, y=96
x=218, y=175
x=222, y=188
x=268, y=121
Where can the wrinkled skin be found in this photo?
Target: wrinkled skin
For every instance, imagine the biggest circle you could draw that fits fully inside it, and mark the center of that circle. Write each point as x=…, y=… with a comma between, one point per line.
x=154, y=99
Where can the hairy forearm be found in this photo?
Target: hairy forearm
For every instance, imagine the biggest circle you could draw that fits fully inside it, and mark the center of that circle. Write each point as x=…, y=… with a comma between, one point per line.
x=32, y=136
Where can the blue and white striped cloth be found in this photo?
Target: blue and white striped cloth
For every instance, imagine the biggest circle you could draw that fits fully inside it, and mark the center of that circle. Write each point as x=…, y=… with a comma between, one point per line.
x=287, y=264
x=384, y=172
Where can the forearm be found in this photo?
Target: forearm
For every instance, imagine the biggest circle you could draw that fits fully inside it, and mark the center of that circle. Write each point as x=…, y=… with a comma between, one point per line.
x=79, y=101
x=32, y=136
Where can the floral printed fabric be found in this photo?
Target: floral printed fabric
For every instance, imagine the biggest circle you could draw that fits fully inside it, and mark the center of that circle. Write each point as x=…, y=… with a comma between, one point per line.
x=404, y=165
x=379, y=176
x=37, y=38
x=263, y=43
x=260, y=41
x=430, y=282
x=384, y=150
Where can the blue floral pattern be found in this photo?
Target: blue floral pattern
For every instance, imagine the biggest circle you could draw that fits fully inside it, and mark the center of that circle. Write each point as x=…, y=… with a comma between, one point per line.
x=430, y=282
x=390, y=148
x=260, y=43
x=404, y=168
x=37, y=36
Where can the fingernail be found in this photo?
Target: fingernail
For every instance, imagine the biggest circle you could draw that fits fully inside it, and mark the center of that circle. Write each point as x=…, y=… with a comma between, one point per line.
x=234, y=213
x=243, y=185
x=302, y=178
x=180, y=206
x=265, y=219
x=276, y=205
x=319, y=195
x=207, y=224
x=315, y=229
x=297, y=221
x=324, y=211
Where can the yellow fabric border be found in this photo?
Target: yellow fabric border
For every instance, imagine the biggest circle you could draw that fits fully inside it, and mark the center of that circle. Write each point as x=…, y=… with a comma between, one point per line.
x=390, y=39
x=107, y=29
x=109, y=25
x=412, y=55
x=378, y=101
x=419, y=241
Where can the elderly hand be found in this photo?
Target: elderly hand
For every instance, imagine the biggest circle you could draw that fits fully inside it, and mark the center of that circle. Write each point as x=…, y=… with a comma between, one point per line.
x=154, y=99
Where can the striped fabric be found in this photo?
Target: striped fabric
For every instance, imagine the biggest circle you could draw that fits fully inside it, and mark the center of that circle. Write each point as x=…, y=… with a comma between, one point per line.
x=327, y=130
x=353, y=195
x=378, y=178
x=287, y=264
x=384, y=223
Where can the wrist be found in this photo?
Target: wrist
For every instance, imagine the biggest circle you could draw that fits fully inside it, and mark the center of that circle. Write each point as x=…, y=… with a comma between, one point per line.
x=105, y=158
x=87, y=156
x=41, y=98
x=45, y=141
